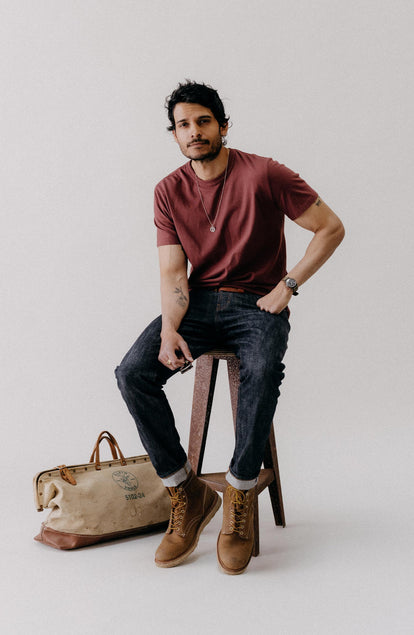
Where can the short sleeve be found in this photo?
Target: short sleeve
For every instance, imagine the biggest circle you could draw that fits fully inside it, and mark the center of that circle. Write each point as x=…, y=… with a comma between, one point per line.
x=290, y=192
x=166, y=232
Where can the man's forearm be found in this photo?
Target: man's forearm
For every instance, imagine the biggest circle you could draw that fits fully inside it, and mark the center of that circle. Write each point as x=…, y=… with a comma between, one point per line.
x=174, y=301
x=321, y=247
x=326, y=239
x=174, y=351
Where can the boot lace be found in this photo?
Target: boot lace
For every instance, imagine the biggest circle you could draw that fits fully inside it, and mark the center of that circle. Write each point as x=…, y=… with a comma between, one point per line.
x=239, y=508
x=178, y=506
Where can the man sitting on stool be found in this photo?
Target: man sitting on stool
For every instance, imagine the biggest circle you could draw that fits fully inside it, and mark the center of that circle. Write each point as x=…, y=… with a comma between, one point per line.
x=223, y=211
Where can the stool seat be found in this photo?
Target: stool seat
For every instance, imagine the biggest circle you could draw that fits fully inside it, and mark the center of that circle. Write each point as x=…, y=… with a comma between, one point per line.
x=204, y=385
x=218, y=482
x=221, y=353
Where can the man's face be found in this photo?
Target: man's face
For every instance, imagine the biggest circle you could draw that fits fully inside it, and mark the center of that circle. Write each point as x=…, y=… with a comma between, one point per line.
x=197, y=132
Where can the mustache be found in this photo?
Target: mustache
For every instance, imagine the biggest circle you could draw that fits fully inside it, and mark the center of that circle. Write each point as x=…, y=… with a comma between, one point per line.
x=198, y=141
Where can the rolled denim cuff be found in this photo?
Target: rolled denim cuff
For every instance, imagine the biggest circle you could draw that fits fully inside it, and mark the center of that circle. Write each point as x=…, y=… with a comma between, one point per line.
x=178, y=477
x=238, y=484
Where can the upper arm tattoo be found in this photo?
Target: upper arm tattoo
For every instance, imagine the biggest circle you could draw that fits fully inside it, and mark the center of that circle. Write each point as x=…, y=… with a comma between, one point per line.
x=318, y=201
x=181, y=297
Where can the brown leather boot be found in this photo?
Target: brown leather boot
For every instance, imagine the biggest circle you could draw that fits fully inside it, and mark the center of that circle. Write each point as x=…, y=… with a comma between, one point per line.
x=193, y=505
x=235, y=541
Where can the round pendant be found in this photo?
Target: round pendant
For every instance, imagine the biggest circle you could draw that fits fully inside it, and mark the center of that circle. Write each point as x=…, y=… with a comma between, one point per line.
x=212, y=229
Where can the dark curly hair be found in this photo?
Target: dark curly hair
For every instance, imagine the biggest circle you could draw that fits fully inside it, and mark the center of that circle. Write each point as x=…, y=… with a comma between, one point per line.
x=193, y=93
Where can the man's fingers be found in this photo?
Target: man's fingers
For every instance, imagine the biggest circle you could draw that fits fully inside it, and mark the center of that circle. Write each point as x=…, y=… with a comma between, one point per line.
x=186, y=351
x=174, y=352
x=170, y=363
x=174, y=360
x=263, y=305
x=270, y=307
x=168, y=358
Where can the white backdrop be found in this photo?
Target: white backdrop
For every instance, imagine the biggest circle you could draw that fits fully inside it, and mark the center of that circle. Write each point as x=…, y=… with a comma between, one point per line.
x=320, y=85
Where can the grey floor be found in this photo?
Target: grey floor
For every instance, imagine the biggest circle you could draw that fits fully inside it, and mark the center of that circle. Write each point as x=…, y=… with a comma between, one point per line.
x=343, y=565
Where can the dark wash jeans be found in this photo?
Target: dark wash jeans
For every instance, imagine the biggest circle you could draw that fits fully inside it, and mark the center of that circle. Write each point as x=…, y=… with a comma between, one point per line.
x=259, y=339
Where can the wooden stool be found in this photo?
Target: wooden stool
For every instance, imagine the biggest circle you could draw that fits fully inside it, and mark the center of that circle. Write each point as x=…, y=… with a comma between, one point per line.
x=204, y=384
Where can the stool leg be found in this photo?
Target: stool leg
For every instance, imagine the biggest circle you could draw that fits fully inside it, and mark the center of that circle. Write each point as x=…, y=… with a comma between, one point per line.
x=275, y=489
x=233, y=371
x=204, y=384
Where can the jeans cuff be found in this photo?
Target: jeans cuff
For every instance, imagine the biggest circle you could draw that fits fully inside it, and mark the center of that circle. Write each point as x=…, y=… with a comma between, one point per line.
x=178, y=477
x=239, y=484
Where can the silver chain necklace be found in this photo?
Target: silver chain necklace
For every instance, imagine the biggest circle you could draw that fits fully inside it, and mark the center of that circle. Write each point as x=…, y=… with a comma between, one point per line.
x=213, y=222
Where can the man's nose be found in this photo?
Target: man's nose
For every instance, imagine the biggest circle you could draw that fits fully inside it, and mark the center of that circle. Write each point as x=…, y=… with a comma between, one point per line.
x=195, y=130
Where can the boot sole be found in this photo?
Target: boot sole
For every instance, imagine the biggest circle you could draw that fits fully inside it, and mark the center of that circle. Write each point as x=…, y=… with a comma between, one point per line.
x=225, y=569
x=173, y=563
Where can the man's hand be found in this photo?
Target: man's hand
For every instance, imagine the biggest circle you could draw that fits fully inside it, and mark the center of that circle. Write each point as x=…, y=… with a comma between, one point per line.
x=174, y=351
x=276, y=300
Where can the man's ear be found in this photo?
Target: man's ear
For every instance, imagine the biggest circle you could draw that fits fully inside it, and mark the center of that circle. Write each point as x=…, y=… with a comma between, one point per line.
x=175, y=136
x=224, y=129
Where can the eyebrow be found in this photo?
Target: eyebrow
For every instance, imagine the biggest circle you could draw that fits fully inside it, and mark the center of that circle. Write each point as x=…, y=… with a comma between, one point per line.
x=200, y=117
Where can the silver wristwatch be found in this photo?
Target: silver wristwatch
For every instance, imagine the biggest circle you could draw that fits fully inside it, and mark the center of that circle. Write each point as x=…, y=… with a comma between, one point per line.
x=291, y=284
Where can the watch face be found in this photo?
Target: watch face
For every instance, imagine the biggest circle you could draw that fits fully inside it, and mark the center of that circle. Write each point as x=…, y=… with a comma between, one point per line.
x=291, y=283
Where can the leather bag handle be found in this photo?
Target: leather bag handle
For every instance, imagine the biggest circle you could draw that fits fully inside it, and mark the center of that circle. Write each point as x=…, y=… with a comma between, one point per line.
x=101, y=437
x=114, y=447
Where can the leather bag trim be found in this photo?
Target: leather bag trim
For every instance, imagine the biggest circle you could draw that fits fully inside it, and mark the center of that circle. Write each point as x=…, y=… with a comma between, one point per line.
x=65, y=540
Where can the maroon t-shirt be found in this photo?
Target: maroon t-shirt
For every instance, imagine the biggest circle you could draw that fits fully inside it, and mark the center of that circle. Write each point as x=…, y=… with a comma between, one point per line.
x=248, y=248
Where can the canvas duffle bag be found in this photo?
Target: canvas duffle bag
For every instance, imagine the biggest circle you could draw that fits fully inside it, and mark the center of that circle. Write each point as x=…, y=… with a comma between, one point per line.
x=100, y=500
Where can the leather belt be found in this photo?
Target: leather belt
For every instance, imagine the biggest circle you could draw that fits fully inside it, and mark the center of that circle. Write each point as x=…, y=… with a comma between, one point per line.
x=231, y=289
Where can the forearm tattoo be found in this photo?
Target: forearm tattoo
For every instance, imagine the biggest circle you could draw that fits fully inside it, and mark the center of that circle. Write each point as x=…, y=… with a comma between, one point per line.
x=181, y=297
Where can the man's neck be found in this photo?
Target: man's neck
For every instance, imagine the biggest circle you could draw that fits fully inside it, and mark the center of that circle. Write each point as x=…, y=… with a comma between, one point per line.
x=208, y=170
